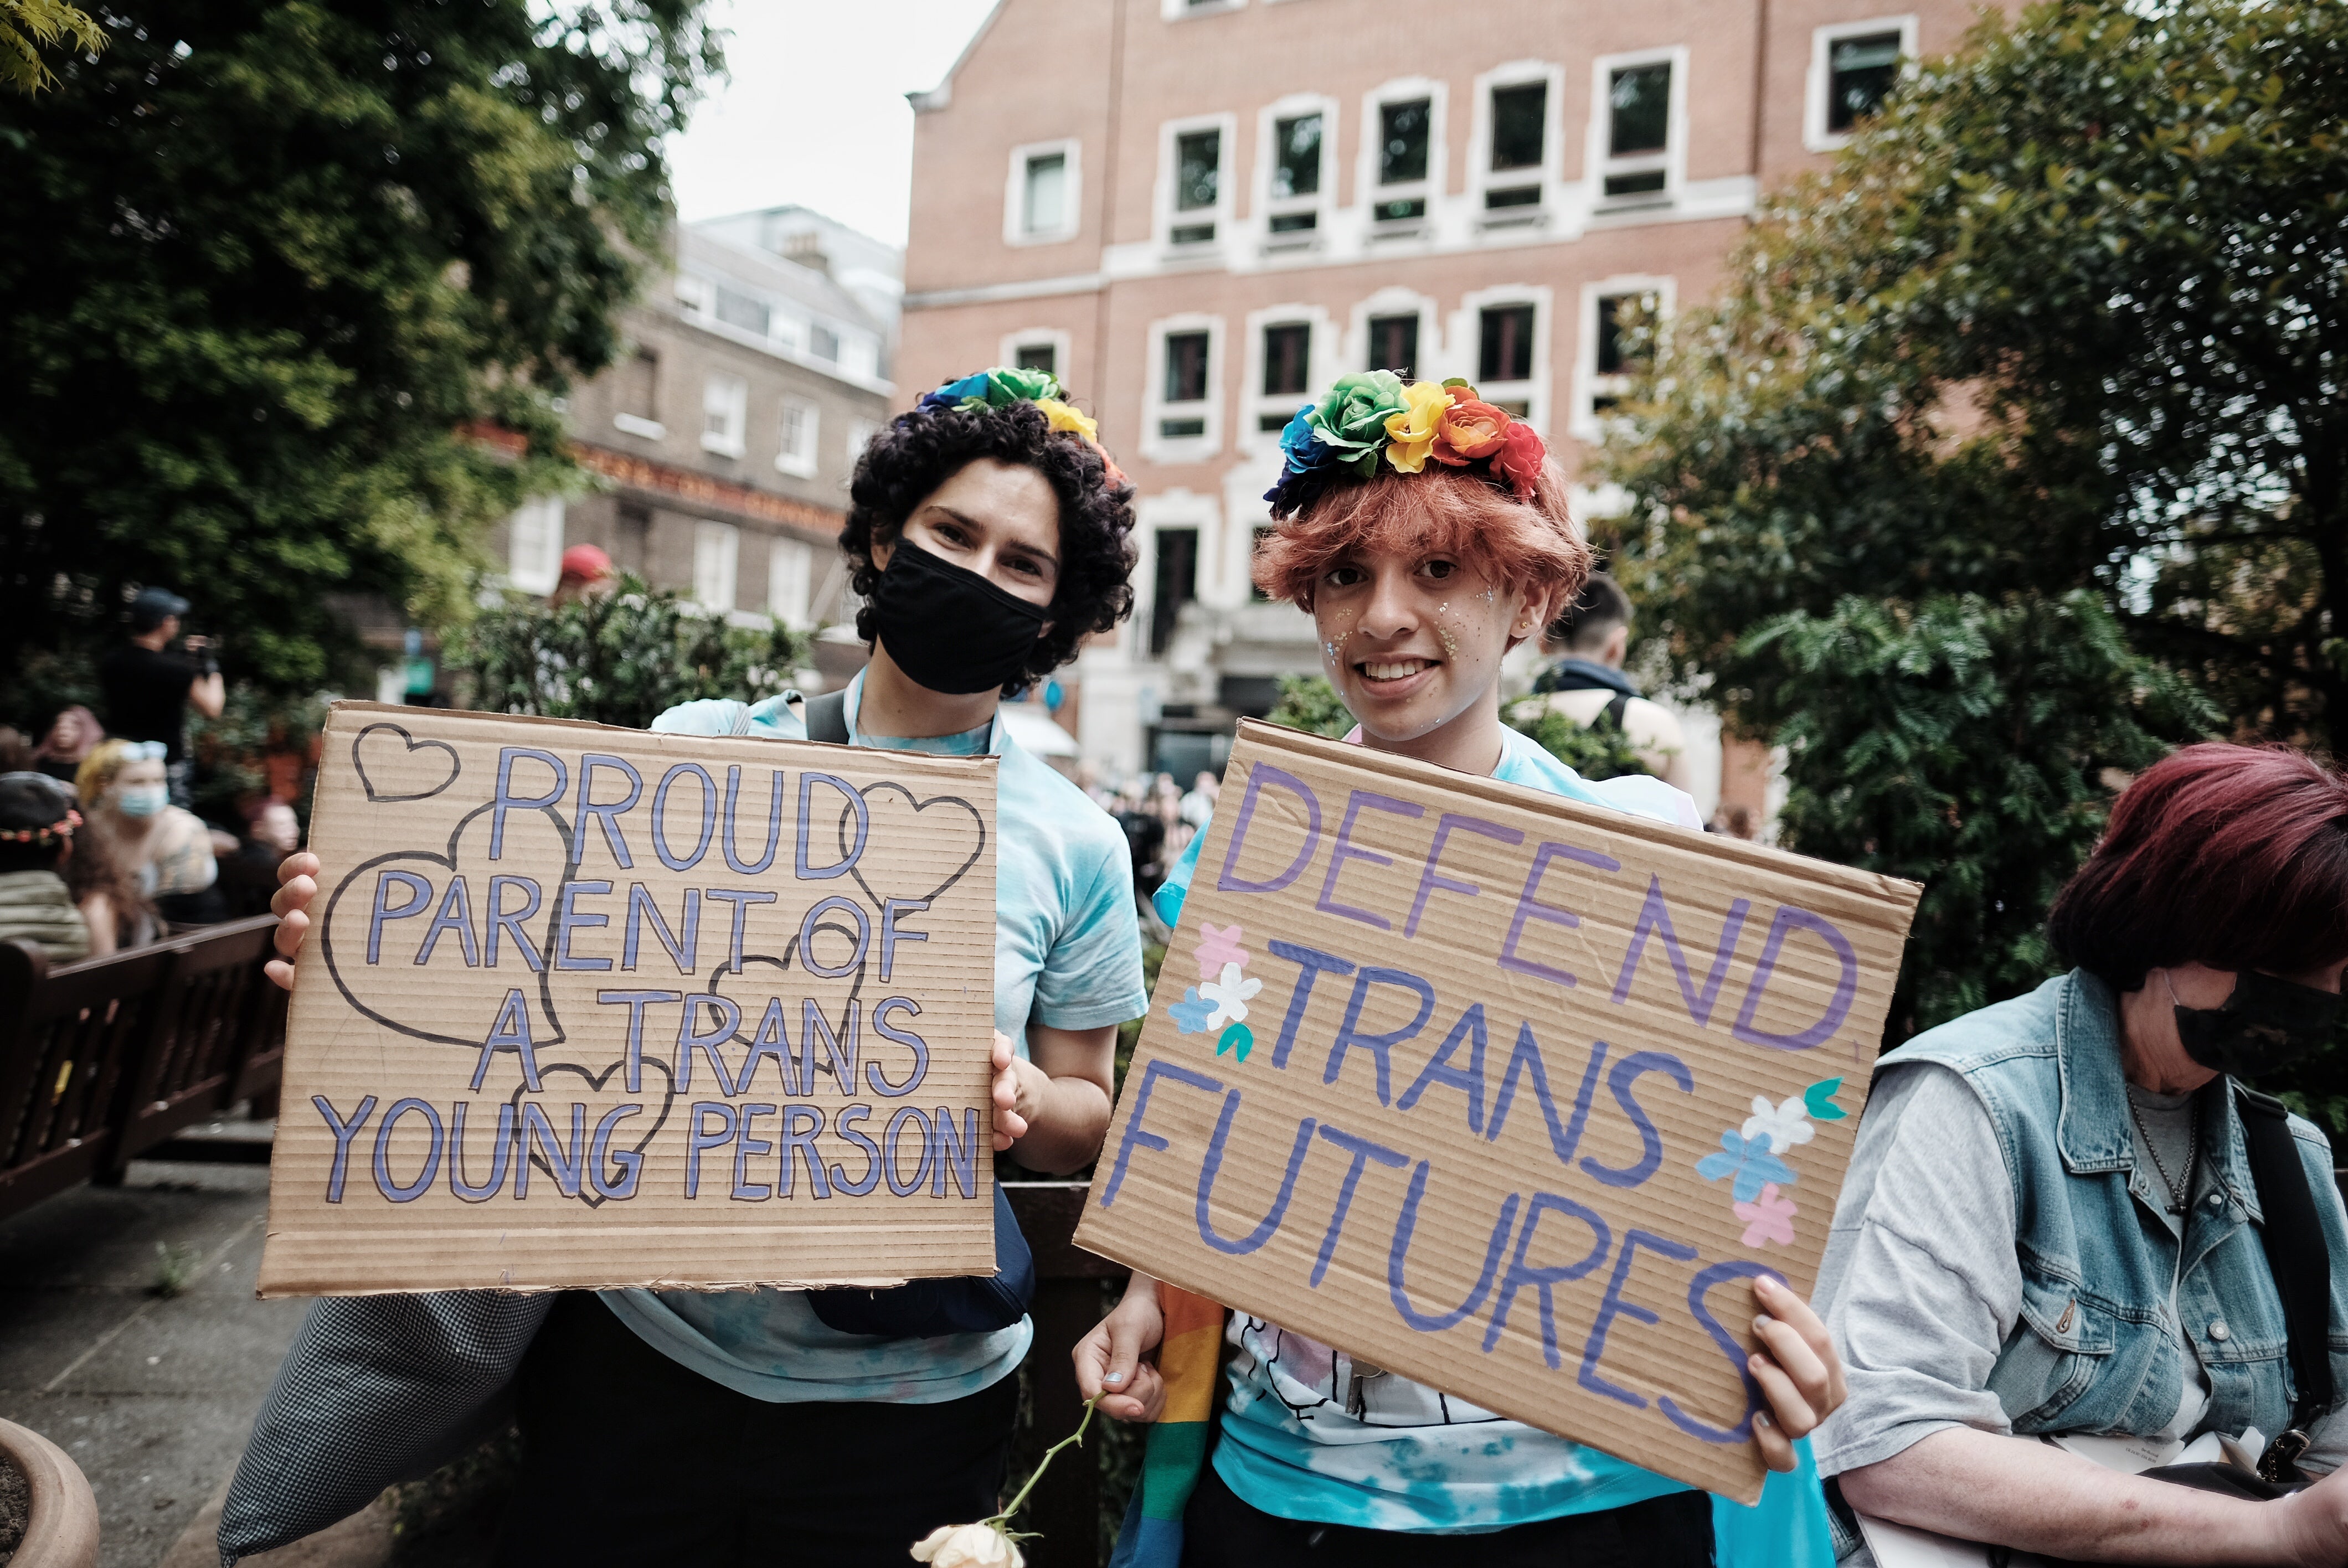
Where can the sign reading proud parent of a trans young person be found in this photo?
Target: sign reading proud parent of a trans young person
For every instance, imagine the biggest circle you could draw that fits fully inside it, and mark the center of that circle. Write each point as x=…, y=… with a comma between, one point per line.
x=590, y=1006
x=1506, y=1093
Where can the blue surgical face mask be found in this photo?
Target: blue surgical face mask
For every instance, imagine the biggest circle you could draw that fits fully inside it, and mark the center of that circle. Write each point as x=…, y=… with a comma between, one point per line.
x=140, y=800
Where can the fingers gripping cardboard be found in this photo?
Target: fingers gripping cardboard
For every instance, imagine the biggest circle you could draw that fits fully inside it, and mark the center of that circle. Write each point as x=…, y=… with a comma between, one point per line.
x=590, y=1006
x=1507, y=1093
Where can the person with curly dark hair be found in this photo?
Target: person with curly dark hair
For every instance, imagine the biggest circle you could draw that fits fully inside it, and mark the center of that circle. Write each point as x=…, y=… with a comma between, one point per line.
x=929, y=477
x=989, y=535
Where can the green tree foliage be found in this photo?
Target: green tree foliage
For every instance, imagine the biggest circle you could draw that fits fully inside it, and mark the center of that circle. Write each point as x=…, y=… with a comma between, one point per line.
x=1600, y=751
x=1963, y=743
x=263, y=262
x=2015, y=448
x=1311, y=703
x=620, y=657
x=2071, y=315
x=28, y=27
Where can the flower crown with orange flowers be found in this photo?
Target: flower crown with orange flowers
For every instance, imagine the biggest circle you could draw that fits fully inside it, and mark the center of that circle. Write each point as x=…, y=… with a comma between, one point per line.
x=1006, y=385
x=1372, y=417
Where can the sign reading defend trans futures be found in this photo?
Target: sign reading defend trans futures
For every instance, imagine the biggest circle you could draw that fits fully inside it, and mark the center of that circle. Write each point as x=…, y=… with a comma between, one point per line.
x=590, y=1006
x=1508, y=1094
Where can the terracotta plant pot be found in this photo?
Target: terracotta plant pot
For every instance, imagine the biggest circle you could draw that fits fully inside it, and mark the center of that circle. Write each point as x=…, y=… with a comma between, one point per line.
x=63, y=1530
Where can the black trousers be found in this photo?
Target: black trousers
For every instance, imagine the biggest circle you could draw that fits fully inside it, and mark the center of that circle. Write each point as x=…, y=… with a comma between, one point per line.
x=628, y=1458
x=1220, y=1531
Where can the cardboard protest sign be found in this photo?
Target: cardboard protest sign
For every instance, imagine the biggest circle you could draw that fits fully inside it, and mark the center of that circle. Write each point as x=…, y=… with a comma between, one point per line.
x=592, y=1007
x=1506, y=1093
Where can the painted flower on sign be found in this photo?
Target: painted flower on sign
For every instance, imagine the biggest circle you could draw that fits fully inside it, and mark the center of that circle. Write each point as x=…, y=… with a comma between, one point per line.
x=1230, y=994
x=1220, y=946
x=1191, y=1015
x=1768, y=1218
x=1786, y=1124
x=1747, y=1164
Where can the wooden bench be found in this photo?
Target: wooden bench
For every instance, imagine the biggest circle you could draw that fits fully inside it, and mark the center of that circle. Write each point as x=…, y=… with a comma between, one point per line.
x=104, y=1060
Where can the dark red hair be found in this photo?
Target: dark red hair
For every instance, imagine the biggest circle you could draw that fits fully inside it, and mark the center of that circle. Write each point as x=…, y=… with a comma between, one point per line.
x=1530, y=543
x=2232, y=856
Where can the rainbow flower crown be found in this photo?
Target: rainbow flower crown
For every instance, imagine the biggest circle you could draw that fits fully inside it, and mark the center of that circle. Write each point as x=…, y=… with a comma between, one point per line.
x=1004, y=385
x=1374, y=415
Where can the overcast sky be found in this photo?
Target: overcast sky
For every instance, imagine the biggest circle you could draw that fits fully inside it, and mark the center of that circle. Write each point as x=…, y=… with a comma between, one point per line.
x=815, y=112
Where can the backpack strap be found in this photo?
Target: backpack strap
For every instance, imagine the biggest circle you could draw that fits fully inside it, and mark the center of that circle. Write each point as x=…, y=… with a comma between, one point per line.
x=1616, y=709
x=2293, y=1235
x=827, y=718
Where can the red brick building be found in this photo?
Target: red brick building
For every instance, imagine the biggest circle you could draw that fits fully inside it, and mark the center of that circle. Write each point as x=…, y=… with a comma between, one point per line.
x=1201, y=212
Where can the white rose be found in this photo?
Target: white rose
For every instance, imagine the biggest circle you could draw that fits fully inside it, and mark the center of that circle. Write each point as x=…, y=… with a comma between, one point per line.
x=967, y=1546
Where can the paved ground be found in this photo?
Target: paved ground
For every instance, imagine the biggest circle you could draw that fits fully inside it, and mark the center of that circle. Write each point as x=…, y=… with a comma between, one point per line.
x=152, y=1396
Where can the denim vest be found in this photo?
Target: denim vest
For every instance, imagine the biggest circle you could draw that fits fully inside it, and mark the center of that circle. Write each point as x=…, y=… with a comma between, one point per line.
x=2094, y=1351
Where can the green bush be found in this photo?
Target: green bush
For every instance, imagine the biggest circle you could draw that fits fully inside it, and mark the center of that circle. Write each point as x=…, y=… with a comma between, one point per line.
x=1970, y=746
x=1309, y=702
x=621, y=658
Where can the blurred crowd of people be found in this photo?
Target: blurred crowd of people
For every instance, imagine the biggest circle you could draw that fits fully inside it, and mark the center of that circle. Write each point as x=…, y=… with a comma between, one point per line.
x=1160, y=818
x=99, y=849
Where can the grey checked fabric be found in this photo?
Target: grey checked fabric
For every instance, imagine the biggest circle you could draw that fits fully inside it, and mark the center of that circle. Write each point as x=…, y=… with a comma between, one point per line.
x=375, y=1389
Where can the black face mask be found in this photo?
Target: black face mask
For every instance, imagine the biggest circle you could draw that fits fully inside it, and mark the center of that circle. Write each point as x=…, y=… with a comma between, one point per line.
x=2267, y=1023
x=948, y=628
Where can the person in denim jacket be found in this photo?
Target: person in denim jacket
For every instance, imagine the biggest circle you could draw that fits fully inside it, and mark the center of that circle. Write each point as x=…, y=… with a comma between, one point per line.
x=2049, y=1226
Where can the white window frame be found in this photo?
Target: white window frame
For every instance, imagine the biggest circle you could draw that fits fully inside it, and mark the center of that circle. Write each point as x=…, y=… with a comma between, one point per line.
x=1481, y=178
x=696, y=298
x=1015, y=230
x=1006, y=352
x=1467, y=336
x=861, y=432
x=1366, y=188
x=1587, y=384
x=799, y=457
x=1397, y=301
x=535, y=545
x=1185, y=10
x=1175, y=508
x=1323, y=203
x=717, y=564
x=725, y=392
x=1170, y=138
x=1156, y=409
x=1671, y=160
x=1319, y=372
x=1815, y=135
x=790, y=580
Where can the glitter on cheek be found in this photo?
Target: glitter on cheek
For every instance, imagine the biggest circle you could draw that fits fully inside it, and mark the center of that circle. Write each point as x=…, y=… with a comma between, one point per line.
x=1450, y=643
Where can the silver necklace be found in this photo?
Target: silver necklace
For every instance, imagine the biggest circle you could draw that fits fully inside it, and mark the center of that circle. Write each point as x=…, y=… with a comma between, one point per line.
x=2176, y=1195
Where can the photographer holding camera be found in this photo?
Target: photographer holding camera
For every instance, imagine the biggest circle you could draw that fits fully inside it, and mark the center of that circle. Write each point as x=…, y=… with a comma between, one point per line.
x=149, y=691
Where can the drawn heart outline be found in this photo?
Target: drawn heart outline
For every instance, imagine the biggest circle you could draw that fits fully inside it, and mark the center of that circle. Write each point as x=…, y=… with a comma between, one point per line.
x=374, y=796
x=449, y=862
x=587, y=1192
x=919, y=805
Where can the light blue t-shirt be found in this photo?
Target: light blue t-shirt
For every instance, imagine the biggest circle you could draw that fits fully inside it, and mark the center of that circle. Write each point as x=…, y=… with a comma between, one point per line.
x=1067, y=955
x=1306, y=1436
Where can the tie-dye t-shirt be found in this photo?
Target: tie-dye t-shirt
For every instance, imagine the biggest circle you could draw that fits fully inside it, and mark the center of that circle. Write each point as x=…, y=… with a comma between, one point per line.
x=1067, y=955
x=1308, y=1433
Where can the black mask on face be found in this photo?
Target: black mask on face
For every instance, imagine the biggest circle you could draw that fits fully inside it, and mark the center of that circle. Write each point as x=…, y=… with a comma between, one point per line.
x=950, y=628
x=2267, y=1023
